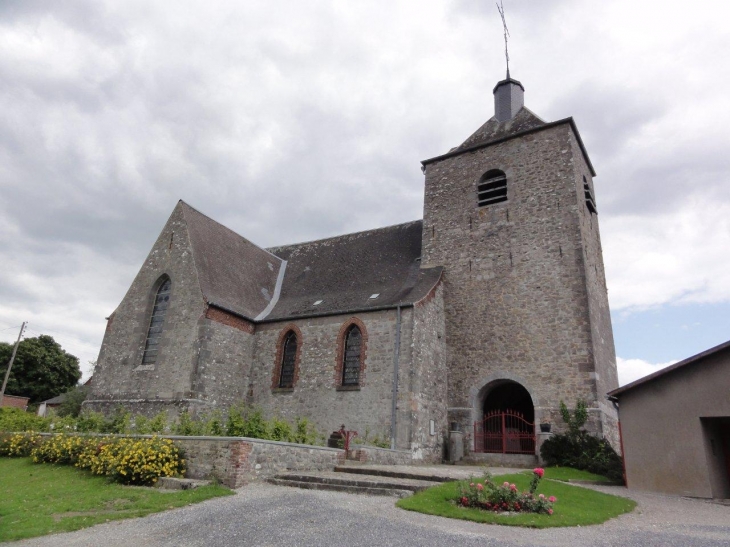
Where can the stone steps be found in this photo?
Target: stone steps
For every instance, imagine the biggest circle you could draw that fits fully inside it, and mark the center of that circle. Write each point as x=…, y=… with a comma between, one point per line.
x=353, y=482
x=390, y=473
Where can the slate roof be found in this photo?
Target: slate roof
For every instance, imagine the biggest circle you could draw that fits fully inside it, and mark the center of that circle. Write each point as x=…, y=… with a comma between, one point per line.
x=345, y=271
x=695, y=359
x=57, y=400
x=234, y=273
x=285, y=282
x=493, y=130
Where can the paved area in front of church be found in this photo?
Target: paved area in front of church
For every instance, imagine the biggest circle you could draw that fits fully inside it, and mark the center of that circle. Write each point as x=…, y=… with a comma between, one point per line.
x=266, y=515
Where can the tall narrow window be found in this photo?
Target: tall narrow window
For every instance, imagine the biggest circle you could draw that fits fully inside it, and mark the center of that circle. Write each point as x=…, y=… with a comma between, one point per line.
x=162, y=300
x=492, y=188
x=590, y=202
x=288, y=360
x=351, y=358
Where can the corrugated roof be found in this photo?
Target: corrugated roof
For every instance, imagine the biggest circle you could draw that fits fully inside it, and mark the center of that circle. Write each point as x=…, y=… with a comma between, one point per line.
x=234, y=273
x=345, y=271
x=663, y=372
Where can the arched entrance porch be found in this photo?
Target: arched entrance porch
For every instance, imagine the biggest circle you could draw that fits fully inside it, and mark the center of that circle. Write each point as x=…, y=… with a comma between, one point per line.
x=507, y=421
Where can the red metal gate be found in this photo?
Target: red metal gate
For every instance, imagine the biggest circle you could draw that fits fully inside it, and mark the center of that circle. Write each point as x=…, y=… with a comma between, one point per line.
x=505, y=432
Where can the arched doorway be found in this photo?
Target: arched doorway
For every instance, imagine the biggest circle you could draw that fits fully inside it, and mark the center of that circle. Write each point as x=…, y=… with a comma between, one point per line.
x=508, y=420
x=512, y=396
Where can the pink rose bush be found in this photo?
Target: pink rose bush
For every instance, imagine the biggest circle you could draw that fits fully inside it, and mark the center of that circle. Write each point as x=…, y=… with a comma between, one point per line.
x=507, y=497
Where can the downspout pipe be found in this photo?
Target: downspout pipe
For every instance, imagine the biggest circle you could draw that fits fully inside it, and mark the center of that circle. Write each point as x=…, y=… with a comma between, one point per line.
x=396, y=362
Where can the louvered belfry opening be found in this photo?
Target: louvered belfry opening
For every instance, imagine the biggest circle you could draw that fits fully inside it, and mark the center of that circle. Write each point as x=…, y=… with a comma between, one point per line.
x=590, y=202
x=162, y=300
x=288, y=360
x=351, y=365
x=492, y=188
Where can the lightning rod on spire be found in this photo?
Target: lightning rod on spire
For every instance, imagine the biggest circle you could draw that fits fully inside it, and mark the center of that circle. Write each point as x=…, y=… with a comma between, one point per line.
x=500, y=8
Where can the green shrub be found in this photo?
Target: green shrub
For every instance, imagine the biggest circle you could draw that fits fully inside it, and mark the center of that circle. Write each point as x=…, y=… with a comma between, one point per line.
x=279, y=430
x=305, y=433
x=73, y=398
x=14, y=420
x=583, y=451
x=143, y=425
x=579, y=449
x=91, y=422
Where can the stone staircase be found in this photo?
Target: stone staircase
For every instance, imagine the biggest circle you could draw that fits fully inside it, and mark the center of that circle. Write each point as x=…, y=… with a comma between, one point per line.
x=361, y=480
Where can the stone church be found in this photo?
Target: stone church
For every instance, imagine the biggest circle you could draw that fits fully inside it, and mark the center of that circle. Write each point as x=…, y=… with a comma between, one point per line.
x=492, y=306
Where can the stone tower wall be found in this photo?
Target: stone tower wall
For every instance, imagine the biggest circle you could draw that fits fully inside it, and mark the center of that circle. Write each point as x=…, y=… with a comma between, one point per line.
x=517, y=297
x=604, y=353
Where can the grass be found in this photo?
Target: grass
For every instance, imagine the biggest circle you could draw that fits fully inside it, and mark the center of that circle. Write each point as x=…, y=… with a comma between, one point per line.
x=576, y=506
x=566, y=474
x=39, y=499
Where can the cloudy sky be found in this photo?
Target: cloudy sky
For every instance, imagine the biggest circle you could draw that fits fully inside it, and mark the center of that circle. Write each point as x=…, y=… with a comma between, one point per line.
x=290, y=121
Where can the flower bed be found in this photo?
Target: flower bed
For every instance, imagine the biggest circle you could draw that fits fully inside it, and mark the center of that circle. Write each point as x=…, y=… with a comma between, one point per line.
x=125, y=460
x=506, y=497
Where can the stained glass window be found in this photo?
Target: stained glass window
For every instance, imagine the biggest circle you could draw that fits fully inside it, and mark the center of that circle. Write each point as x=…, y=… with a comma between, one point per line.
x=162, y=300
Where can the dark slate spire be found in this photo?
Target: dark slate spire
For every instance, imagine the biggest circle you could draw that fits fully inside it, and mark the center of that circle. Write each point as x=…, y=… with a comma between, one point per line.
x=509, y=97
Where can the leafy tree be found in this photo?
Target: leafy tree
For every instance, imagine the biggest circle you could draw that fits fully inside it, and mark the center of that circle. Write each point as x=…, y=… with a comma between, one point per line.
x=42, y=369
x=71, y=405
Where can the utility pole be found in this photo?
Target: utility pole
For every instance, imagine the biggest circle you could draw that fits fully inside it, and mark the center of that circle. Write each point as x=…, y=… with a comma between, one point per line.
x=10, y=364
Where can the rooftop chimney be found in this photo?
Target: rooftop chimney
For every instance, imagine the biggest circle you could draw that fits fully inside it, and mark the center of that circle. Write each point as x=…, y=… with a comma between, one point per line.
x=509, y=97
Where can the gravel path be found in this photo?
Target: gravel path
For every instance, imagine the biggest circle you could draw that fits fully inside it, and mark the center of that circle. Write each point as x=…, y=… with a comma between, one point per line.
x=267, y=515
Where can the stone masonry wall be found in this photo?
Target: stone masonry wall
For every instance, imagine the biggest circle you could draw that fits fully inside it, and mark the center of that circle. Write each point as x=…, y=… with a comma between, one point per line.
x=120, y=375
x=515, y=288
x=604, y=353
x=428, y=386
x=381, y=456
x=236, y=461
x=316, y=395
x=226, y=343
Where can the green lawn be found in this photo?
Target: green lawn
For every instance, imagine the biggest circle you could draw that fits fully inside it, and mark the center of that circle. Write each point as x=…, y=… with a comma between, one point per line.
x=566, y=474
x=575, y=506
x=39, y=499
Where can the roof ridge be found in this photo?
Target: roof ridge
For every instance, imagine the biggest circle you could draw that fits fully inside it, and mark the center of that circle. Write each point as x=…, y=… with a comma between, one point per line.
x=331, y=238
x=226, y=227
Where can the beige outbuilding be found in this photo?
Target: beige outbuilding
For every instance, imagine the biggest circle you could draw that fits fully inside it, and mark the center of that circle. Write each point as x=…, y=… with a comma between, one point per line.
x=675, y=427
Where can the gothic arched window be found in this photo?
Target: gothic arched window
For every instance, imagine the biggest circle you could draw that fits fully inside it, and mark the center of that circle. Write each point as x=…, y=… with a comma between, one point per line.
x=492, y=188
x=162, y=300
x=288, y=360
x=351, y=358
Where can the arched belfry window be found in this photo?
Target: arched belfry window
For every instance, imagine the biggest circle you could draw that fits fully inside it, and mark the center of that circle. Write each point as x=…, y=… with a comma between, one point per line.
x=288, y=360
x=352, y=357
x=492, y=188
x=162, y=301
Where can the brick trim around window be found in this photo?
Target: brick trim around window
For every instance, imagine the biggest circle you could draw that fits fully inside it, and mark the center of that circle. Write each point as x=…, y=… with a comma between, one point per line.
x=339, y=364
x=275, y=377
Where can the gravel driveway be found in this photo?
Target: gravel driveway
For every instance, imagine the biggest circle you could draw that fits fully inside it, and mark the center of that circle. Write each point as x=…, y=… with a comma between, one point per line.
x=263, y=515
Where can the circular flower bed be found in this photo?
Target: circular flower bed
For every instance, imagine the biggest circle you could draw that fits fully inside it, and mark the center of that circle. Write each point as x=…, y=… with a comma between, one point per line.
x=506, y=497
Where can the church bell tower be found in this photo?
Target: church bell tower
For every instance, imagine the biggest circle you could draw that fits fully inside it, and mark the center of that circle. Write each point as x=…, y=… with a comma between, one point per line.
x=510, y=215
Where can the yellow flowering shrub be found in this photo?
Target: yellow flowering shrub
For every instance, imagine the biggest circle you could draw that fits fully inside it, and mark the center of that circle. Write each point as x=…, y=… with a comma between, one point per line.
x=123, y=459
x=132, y=461
x=143, y=461
x=62, y=448
x=18, y=444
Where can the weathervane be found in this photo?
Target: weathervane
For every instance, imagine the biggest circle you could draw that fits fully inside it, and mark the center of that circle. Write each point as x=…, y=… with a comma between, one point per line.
x=500, y=8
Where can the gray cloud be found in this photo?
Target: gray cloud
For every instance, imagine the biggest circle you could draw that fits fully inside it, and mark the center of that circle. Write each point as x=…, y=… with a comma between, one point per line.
x=292, y=121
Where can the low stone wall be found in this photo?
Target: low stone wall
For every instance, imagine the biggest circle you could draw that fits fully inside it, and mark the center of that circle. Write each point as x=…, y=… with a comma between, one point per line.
x=236, y=461
x=381, y=456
